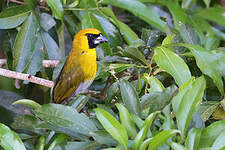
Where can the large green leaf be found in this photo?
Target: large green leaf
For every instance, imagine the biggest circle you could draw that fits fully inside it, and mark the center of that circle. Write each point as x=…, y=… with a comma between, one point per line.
x=24, y=45
x=155, y=84
x=128, y=34
x=219, y=142
x=13, y=16
x=173, y=64
x=90, y=145
x=130, y=97
x=161, y=138
x=215, y=14
x=189, y=103
x=65, y=117
x=158, y=100
x=211, y=133
x=9, y=139
x=139, y=9
x=60, y=139
x=56, y=7
x=193, y=139
x=126, y=120
x=210, y=63
x=143, y=131
x=111, y=125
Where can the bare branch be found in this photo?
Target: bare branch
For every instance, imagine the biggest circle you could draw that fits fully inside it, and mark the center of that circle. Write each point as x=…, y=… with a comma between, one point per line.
x=30, y=78
x=45, y=63
x=17, y=2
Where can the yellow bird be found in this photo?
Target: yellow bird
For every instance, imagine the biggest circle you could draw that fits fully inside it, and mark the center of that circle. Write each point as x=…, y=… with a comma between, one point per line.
x=80, y=67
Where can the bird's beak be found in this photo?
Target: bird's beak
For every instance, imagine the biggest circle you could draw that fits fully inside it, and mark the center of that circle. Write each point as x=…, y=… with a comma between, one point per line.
x=100, y=39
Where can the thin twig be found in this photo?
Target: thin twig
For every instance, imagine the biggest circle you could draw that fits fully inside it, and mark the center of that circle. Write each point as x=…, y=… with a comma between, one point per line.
x=17, y=2
x=45, y=63
x=27, y=77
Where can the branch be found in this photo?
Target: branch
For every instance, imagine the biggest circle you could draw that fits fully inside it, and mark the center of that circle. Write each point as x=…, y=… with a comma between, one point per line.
x=45, y=63
x=30, y=78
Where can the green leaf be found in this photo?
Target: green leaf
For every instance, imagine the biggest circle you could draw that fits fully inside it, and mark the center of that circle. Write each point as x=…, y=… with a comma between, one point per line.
x=189, y=103
x=135, y=54
x=24, y=45
x=158, y=100
x=182, y=91
x=219, y=142
x=128, y=34
x=126, y=120
x=120, y=67
x=9, y=139
x=51, y=47
x=90, y=145
x=13, y=16
x=111, y=125
x=211, y=133
x=187, y=3
x=173, y=64
x=103, y=137
x=56, y=7
x=47, y=21
x=179, y=15
x=161, y=138
x=65, y=117
x=215, y=14
x=193, y=139
x=41, y=143
x=155, y=84
x=207, y=3
x=143, y=131
x=60, y=139
x=141, y=10
x=29, y=103
x=177, y=146
x=168, y=39
x=79, y=102
x=210, y=63
x=130, y=97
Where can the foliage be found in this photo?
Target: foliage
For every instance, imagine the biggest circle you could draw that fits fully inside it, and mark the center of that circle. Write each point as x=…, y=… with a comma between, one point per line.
x=161, y=75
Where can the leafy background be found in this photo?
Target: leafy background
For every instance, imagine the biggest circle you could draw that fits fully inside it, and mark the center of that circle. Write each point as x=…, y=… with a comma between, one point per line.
x=160, y=77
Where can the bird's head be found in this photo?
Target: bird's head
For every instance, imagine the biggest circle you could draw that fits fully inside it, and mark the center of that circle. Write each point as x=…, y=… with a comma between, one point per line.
x=88, y=39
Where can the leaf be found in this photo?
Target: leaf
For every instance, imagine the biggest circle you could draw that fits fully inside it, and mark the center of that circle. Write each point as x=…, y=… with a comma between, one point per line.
x=56, y=7
x=177, y=146
x=161, y=138
x=219, y=142
x=173, y=64
x=9, y=139
x=189, y=103
x=158, y=100
x=126, y=120
x=29, y=103
x=215, y=14
x=128, y=34
x=211, y=133
x=13, y=16
x=193, y=139
x=60, y=139
x=139, y=9
x=103, y=137
x=46, y=21
x=209, y=62
x=187, y=3
x=24, y=45
x=135, y=54
x=65, y=117
x=130, y=97
x=41, y=143
x=111, y=125
x=155, y=84
x=219, y=114
x=79, y=102
x=120, y=67
x=90, y=145
x=207, y=108
x=51, y=47
x=168, y=40
x=143, y=131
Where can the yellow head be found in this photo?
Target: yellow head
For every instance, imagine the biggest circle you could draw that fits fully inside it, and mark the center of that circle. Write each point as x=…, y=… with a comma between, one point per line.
x=88, y=39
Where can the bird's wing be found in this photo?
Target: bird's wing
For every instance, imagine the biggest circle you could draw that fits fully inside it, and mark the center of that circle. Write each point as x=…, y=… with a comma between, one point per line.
x=68, y=81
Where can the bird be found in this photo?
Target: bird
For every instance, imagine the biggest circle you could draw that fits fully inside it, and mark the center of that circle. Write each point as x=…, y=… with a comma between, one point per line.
x=80, y=67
